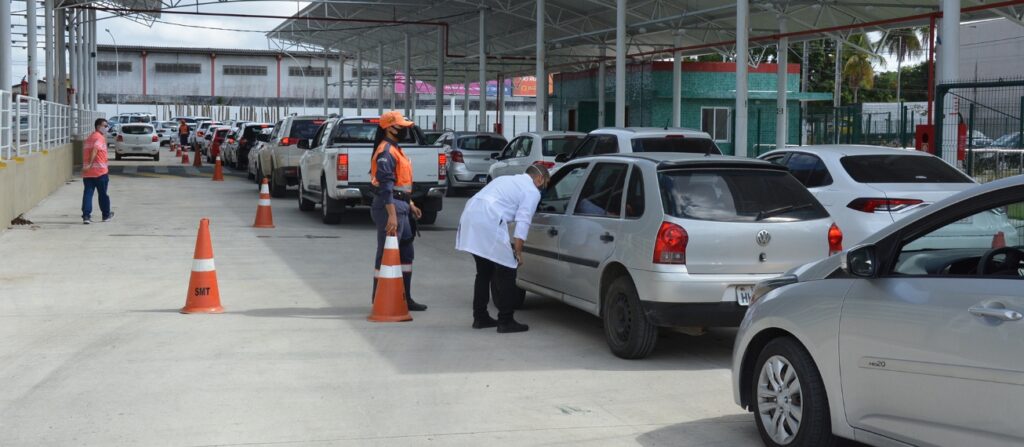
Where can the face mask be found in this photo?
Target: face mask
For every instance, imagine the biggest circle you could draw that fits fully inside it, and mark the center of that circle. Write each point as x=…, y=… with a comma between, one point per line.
x=403, y=134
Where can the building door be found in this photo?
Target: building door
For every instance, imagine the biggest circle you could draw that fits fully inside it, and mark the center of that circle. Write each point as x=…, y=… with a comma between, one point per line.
x=572, y=120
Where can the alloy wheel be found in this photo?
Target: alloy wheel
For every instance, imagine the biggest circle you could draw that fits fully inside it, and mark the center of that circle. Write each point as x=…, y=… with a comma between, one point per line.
x=779, y=400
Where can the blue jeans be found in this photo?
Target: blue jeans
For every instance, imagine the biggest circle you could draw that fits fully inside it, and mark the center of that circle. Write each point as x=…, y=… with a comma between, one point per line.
x=95, y=183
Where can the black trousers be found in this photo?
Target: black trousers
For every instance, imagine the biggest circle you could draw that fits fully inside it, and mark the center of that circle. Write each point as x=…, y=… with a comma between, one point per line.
x=490, y=273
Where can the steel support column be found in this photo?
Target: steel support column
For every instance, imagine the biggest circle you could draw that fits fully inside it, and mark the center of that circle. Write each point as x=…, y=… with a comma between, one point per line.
x=677, y=81
x=740, y=114
x=380, y=79
x=542, y=77
x=465, y=104
x=359, y=82
x=804, y=72
x=93, y=97
x=48, y=52
x=408, y=76
x=600, y=90
x=482, y=122
x=60, y=55
x=439, y=86
x=33, y=49
x=949, y=60
x=327, y=94
x=782, y=85
x=837, y=90
x=620, y=63
x=5, y=45
x=341, y=83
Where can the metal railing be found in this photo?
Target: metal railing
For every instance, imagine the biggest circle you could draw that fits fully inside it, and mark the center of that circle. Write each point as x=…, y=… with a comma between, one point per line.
x=28, y=125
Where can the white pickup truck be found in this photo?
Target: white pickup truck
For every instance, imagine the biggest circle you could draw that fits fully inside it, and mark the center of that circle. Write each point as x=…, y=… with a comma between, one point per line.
x=335, y=171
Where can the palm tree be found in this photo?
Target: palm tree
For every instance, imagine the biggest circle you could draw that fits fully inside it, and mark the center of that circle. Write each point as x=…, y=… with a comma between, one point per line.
x=859, y=73
x=903, y=43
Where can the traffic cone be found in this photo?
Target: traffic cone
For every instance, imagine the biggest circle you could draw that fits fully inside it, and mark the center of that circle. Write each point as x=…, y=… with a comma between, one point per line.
x=999, y=240
x=177, y=151
x=203, y=294
x=198, y=162
x=264, y=215
x=184, y=158
x=389, y=302
x=218, y=171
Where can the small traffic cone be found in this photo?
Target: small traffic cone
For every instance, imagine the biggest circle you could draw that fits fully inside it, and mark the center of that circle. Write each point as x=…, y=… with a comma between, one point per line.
x=218, y=171
x=264, y=215
x=389, y=304
x=198, y=162
x=184, y=158
x=177, y=151
x=203, y=294
x=999, y=240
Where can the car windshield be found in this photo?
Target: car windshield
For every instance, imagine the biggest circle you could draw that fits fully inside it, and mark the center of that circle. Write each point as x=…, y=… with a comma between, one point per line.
x=305, y=129
x=482, y=143
x=555, y=146
x=1007, y=140
x=901, y=169
x=692, y=145
x=737, y=195
x=136, y=130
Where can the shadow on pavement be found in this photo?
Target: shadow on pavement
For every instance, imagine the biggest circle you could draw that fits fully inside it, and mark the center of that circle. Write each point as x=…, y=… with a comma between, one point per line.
x=725, y=431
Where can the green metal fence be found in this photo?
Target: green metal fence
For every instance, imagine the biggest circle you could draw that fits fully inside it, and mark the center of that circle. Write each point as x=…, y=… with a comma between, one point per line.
x=984, y=121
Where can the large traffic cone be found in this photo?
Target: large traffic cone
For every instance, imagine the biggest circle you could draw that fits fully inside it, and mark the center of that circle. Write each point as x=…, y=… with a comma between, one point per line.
x=177, y=152
x=203, y=294
x=218, y=171
x=184, y=158
x=999, y=240
x=264, y=215
x=198, y=162
x=389, y=302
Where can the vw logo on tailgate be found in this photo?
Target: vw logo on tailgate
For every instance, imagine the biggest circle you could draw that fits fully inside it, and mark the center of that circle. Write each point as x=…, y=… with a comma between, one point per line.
x=763, y=238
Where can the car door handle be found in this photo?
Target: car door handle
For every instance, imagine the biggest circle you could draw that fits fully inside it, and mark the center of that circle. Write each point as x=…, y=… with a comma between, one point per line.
x=607, y=237
x=999, y=314
x=552, y=231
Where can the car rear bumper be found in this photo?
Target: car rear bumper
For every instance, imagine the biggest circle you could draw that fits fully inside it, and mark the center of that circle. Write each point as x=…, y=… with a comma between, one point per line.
x=460, y=176
x=148, y=150
x=725, y=314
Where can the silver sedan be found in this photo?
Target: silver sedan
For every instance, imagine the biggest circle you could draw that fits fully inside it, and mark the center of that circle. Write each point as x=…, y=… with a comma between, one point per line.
x=899, y=341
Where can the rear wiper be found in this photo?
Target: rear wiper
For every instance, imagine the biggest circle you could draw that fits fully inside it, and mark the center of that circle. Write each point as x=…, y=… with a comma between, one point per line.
x=764, y=214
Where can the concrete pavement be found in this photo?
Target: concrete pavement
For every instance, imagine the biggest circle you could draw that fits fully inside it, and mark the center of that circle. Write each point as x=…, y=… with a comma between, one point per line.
x=94, y=352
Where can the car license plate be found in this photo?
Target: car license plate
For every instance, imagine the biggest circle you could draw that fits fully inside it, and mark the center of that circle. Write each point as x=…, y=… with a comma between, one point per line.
x=137, y=148
x=743, y=295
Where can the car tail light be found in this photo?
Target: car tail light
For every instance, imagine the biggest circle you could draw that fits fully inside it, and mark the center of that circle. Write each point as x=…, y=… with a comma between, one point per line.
x=156, y=138
x=457, y=157
x=286, y=141
x=670, y=246
x=231, y=141
x=675, y=136
x=442, y=161
x=835, y=240
x=872, y=205
x=120, y=138
x=342, y=167
x=546, y=164
x=200, y=133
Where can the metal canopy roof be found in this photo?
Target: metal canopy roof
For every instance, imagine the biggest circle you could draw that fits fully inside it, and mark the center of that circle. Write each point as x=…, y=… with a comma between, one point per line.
x=577, y=30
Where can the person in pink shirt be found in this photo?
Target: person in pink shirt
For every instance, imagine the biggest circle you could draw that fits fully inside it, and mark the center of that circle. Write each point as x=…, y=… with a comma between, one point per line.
x=94, y=172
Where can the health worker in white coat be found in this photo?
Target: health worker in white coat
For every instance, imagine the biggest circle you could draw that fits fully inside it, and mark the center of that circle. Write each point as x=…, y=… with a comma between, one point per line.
x=484, y=233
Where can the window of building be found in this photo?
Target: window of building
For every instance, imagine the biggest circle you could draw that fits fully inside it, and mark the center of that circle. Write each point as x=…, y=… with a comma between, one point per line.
x=312, y=72
x=178, y=68
x=111, y=66
x=715, y=121
x=245, y=70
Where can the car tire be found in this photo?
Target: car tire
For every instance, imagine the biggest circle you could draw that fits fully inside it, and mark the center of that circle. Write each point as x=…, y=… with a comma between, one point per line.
x=276, y=190
x=629, y=333
x=117, y=156
x=156, y=157
x=793, y=362
x=428, y=217
x=328, y=210
x=450, y=190
x=304, y=204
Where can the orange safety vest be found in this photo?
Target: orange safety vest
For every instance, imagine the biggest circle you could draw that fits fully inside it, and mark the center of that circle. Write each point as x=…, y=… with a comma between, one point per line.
x=403, y=168
x=183, y=129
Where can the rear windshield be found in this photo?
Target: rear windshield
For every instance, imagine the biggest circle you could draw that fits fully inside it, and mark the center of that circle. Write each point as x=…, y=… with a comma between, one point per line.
x=137, y=119
x=554, y=147
x=901, y=169
x=251, y=131
x=305, y=129
x=482, y=143
x=431, y=137
x=207, y=124
x=136, y=130
x=364, y=132
x=737, y=195
x=676, y=144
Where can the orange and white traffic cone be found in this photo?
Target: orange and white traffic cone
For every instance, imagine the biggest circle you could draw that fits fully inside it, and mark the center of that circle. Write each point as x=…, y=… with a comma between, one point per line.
x=218, y=171
x=389, y=302
x=203, y=294
x=264, y=215
x=177, y=152
x=999, y=240
x=198, y=162
x=184, y=158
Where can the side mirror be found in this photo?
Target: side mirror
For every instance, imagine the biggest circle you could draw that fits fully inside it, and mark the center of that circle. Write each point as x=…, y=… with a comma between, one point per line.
x=561, y=158
x=496, y=156
x=304, y=144
x=860, y=261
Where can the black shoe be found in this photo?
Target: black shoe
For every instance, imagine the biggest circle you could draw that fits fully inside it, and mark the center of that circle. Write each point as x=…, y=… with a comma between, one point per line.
x=109, y=218
x=414, y=306
x=511, y=327
x=484, y=323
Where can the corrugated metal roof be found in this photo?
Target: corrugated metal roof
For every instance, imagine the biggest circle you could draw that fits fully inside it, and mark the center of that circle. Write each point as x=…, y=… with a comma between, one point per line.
x=191, y=50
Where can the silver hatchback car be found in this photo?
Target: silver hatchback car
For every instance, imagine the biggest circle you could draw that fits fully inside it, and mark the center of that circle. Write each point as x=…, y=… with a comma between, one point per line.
x=669, y=240
x=905, y=340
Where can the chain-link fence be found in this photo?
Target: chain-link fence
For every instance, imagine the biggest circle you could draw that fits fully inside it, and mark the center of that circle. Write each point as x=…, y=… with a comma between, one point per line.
x=978, y=127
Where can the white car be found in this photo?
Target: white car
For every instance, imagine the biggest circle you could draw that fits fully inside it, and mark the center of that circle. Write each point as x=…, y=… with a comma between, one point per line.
x=533, y=148
x=866, y=188
x=279, y=159
x=469, y=157
x=168, y=131
x=616, y=140
x=899, y=341
x=135, y=140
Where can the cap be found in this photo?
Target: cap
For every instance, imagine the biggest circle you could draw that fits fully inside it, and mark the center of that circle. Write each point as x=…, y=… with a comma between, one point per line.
x=394, y=118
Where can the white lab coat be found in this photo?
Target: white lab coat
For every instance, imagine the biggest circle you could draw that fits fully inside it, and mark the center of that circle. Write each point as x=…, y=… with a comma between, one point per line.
x=483, y=228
